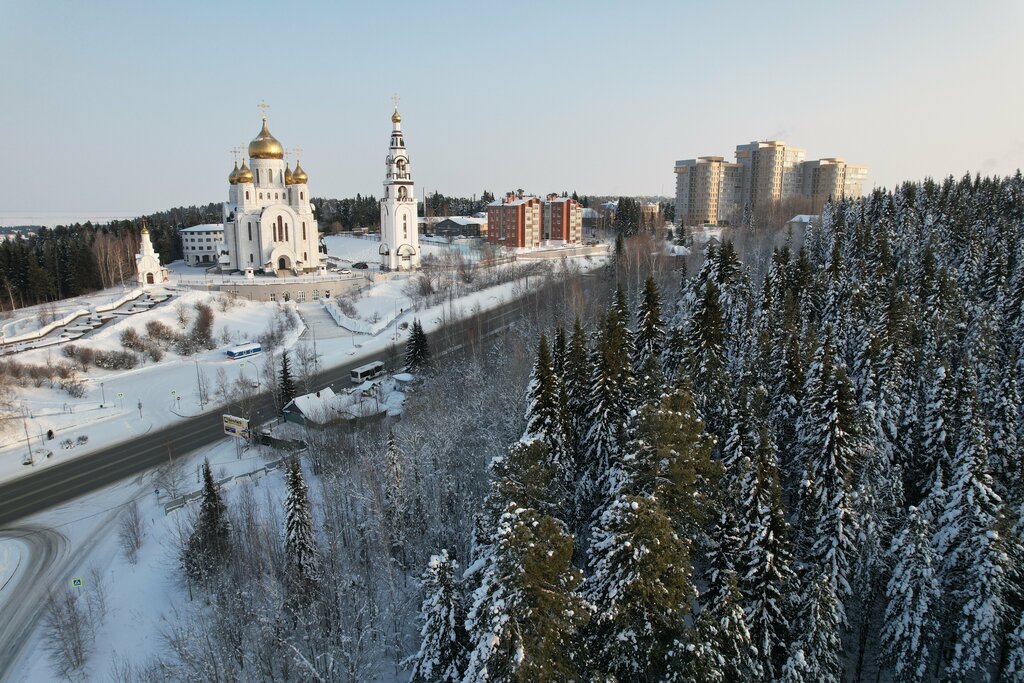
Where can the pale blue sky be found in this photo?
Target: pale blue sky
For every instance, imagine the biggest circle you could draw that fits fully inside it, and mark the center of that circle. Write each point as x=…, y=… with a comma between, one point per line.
x=134, y=106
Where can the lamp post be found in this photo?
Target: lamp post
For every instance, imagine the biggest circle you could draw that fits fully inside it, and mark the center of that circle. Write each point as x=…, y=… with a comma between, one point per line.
x=103, y=394
x=199, y=384
x=258, y=383
x=28, y=441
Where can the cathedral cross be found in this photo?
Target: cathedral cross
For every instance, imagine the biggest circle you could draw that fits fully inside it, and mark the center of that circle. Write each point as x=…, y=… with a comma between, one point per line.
x=263, y=106
x=298, y=153
x=395, y=98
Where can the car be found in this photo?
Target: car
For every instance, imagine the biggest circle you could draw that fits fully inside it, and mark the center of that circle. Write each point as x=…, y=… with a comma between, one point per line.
x=361, y=265
x=345, y=271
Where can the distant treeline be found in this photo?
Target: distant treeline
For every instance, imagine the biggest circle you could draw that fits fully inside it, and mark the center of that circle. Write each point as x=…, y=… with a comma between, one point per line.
x=75, y=259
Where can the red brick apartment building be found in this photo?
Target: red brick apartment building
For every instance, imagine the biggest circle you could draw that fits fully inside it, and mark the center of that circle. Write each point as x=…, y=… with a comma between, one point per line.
x=524, y=221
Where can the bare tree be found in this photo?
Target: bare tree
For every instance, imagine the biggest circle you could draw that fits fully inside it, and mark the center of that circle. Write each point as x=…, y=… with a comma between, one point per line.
x=130, y=532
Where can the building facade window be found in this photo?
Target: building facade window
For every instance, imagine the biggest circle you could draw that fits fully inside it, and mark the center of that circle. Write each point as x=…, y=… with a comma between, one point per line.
x=273, y=297
x=301, y=296
x=250, y=231
x=250, y=258
x=303, y=229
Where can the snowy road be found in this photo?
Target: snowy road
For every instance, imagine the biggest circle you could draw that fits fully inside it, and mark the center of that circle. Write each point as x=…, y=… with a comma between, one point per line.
x=21, y=601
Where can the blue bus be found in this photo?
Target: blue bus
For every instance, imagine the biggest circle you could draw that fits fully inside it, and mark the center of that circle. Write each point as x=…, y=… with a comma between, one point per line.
x=244, y=350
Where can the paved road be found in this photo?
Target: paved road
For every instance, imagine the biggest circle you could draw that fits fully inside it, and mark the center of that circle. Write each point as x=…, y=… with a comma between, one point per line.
x=61, y=483
x=22, y=599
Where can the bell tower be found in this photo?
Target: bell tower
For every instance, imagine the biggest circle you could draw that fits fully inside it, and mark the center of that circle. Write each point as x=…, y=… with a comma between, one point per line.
x=399, y=220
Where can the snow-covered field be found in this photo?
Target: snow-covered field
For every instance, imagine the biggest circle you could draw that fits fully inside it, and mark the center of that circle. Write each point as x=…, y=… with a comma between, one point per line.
x=168, y=390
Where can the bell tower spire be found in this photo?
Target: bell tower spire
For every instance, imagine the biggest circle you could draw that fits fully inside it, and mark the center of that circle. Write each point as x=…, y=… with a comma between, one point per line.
x=399, y=229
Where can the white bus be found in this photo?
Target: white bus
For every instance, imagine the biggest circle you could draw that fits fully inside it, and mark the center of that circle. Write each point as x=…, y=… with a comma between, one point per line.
x=244, y=350
x=368, y=371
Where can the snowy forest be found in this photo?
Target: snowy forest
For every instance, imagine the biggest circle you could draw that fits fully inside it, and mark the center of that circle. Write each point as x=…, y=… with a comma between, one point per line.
x=800, y=467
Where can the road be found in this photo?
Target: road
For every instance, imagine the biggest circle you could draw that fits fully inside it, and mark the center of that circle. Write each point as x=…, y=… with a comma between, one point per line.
x=61, y=483
x=24, y=596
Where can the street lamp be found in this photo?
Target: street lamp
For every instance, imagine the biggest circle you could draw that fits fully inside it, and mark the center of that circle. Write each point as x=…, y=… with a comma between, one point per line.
x=103, y=394
x=199, y=384
x=258, y=383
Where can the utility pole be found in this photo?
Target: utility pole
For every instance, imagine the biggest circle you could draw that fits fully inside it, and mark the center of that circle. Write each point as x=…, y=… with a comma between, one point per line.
x=199, y=384
x=28, y=441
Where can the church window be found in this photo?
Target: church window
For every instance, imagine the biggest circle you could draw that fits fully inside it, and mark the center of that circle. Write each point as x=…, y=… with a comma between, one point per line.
x=250, y=258
x=302, y=195
x=261, y=195
x=247, y=194
x=257, y=176
x=275, y=195
x=250, y=231
x=305, y=256
x=279, y=231
x=303, y=229
x=286, y=232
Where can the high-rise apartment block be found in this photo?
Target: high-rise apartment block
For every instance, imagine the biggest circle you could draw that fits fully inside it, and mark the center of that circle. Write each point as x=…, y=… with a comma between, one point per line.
x=712, y=190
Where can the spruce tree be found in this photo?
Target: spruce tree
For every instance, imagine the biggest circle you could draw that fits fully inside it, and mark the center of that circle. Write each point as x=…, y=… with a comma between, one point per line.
x=525, y=614
x=544, y=413
x=285, y=384
x=650, y=333
x=417, y=350
x=210, y=541
x=816, y=649
x=576, y=386
x=734, y=643
x=443, y=638
x=908, y=632
x=766, y=573
x=829, y=442
x=640, y=587
x=302, y=567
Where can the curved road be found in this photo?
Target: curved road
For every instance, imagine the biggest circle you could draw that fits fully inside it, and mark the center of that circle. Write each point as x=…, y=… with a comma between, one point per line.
x=22, y=599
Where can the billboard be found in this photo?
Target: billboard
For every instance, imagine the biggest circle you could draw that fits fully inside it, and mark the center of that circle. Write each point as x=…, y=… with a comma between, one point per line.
x=236, y=426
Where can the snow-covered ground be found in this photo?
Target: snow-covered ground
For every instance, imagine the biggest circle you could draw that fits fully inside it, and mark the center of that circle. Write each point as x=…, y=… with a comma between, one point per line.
x=168, y=390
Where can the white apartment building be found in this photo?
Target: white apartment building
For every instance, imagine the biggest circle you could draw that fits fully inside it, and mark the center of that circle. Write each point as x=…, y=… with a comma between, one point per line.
x=712, y=190
x=201, y=245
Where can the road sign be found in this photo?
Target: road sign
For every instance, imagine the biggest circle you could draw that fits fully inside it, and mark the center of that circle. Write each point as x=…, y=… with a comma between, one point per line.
x=173, y=392
x=120, y=394
x=235, y=426
x=76, y=583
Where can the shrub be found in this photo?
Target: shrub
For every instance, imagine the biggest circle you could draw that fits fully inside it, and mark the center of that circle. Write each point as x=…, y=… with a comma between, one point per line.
x=132, y=340
x=160, y=331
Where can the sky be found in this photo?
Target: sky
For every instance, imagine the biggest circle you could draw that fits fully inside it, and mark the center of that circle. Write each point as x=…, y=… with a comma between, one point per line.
x=135, y=106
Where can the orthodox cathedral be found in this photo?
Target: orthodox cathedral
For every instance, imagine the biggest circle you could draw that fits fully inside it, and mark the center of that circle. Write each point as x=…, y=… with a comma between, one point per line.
x=269, y=225
x=268, y=221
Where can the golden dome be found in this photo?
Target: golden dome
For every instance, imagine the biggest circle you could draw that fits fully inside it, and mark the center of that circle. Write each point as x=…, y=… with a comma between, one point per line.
x=299, y=176
x=265, y=146
x=244, y=174
x=288, y=179
x=396, y=117
x=233, y=177
x=145, y=230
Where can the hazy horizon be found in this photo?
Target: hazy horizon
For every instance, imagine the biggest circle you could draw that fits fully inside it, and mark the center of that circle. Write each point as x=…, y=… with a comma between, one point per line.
x=128, y=107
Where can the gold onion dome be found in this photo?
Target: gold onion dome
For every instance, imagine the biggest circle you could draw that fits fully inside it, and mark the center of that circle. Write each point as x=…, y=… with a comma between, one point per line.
x=244, y=174
x=299, y=176
x=396, y=117
x=233, y=177
x=288, y=178
x=265, y=146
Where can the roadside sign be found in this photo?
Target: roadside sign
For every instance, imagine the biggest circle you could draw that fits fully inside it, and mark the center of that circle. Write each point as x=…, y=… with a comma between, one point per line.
x=76, y=583
x=120, y=394
x=173, y=392
x=236, y=426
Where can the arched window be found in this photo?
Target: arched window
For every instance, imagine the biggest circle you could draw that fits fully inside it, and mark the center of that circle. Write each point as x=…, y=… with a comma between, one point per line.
x=275, y=195
x=257, y=176
x=303, y=230
x=286, y=232
x=250, y=258
x=261, y=195
x=405, y=227
x=247, y=194
x=250, y=231
x=302, y=195
x=278, y=230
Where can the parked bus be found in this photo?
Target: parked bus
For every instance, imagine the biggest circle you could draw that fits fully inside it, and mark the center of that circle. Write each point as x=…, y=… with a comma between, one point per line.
x=244, y=350
x=368, y=371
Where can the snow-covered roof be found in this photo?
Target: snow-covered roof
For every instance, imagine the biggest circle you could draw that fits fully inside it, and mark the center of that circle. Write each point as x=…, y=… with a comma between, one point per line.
x=317, y=405
x=466, y=220
x=589, y=213
x=512, y=202
x=802, y=218
x=206, y=227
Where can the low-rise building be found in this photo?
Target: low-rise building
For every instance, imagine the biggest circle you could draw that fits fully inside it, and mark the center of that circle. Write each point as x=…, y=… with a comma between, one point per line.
x=201, y=244
x=461, y=226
